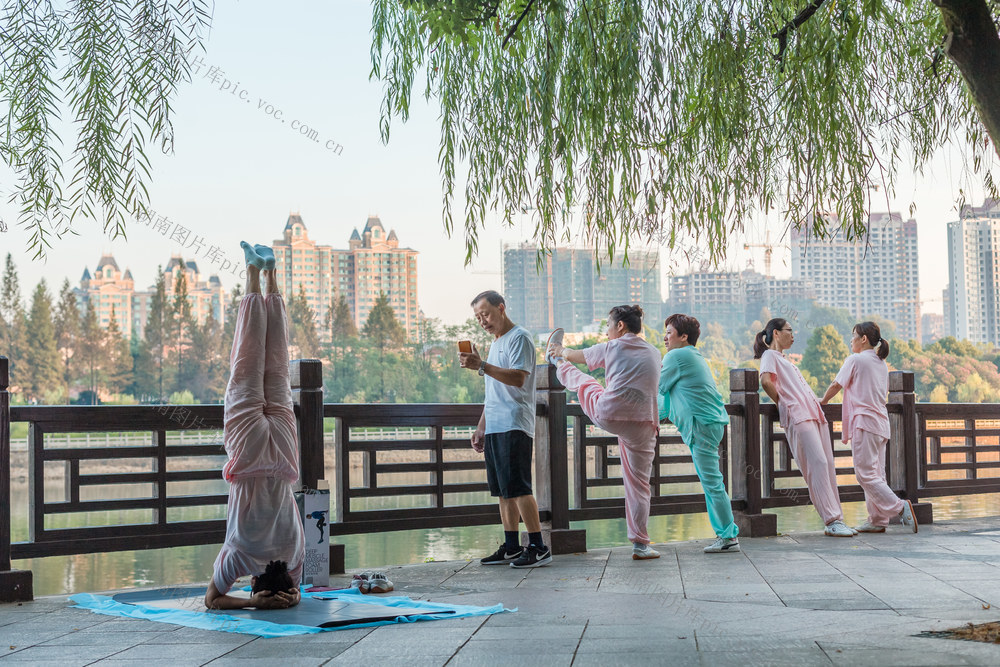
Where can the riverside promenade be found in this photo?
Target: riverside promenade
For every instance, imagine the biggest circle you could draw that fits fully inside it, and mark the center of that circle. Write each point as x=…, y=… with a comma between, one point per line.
x=800, y=599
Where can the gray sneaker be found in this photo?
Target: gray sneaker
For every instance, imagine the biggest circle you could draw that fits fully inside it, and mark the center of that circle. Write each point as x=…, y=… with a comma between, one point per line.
x=869, y=528
x=555, y=338
x=838, y=529
x=723, y=545
x=643, y=552
x=379, y=583
x=909, y=519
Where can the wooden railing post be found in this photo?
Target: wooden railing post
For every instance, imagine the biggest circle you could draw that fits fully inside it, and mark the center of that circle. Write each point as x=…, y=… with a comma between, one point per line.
x=306, y=376
x=551, y=486
x=744, y=442
x=15, y=585
x=903, y=456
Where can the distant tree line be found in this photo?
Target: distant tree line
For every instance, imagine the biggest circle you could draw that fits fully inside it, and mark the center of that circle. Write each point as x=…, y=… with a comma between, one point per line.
x=59, y=352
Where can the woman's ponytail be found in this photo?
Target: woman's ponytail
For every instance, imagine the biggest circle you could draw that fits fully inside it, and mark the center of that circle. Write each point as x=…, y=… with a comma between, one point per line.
x=871, y=331
x=762, y=341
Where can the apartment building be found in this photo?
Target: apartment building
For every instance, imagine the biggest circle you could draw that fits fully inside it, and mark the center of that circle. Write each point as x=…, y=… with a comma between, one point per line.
x=873, y=276
x=973, y=294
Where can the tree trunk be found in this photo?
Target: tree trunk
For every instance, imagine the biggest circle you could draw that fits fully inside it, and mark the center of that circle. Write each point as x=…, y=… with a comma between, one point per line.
x=974, y=45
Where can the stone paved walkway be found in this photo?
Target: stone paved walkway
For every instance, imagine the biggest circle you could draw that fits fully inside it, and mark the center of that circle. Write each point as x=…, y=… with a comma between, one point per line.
x=801, y=599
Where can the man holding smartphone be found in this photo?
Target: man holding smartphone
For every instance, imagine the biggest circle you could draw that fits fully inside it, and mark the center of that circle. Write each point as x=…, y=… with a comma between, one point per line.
x=507, y=428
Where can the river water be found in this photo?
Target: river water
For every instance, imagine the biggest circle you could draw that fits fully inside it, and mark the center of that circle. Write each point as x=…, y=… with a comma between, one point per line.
x=184, y=565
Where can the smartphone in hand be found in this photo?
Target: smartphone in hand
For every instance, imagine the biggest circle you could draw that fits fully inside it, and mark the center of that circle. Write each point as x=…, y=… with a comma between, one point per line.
x=465, y=346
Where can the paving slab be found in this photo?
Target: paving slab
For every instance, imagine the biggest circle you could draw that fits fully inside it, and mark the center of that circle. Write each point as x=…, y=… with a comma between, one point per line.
x=802, y=599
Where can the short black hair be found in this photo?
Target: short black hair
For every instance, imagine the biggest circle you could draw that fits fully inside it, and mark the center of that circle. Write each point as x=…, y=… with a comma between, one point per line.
x=492, y=296
x=685, y=324
x=274, y=578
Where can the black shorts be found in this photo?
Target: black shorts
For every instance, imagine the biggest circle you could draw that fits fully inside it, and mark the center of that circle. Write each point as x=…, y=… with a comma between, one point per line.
x=508, y=463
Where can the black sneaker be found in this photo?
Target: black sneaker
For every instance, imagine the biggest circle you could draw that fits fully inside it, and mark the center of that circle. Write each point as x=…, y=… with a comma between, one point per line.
x=534, y=557
x=501, y=557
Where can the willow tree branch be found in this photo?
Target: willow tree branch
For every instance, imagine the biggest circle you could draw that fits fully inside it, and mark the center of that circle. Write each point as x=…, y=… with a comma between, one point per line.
x=794, y=24
x=513, y=29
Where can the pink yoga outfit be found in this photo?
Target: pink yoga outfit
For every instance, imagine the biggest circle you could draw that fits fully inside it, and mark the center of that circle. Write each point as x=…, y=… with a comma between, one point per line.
x=626, y=408
x=802, y=418
x=865, y=380
x=260, y=436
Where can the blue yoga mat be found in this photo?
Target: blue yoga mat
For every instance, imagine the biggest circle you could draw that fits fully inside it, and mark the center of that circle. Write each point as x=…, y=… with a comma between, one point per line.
x=317, y=612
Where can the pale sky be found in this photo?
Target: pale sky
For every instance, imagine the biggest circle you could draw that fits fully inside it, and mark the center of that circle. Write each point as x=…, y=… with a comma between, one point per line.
x=238, y=171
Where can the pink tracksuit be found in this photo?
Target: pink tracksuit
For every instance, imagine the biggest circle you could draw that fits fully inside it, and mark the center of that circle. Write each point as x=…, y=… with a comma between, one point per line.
x=865, y=380
x=627, y=408
x=801, y=415
x=260, y=436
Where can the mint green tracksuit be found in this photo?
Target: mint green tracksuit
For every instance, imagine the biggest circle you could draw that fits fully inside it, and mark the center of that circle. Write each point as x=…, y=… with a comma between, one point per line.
x=689, y=399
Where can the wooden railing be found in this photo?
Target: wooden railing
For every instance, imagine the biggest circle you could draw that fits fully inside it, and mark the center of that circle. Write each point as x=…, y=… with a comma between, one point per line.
x=596, y=453
x=935, y=450
x=85, y=467
x=959, y=450
x=440, y=454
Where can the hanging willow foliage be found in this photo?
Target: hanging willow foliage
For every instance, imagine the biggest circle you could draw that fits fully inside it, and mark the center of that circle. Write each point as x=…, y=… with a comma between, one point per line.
x=672, y=120
x=111, y=68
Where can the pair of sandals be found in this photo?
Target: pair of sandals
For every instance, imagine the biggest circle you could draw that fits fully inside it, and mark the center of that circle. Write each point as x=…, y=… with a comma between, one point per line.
x=260, y=256
x=371, y=582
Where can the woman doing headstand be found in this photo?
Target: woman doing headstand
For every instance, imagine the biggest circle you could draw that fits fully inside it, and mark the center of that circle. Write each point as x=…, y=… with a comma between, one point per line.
x=263, y=529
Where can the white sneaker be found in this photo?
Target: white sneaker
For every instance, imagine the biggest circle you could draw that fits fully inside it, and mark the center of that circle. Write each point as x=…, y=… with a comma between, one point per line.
x=643, y=552
x=869, y=528
x=838, y=529
x=909, y=519
x=555, y=338
x=723, y=545
x=379, y=583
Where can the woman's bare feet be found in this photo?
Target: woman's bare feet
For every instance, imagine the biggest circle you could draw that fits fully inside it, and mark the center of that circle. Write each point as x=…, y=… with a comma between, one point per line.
x=272, y=281
x=253, y=279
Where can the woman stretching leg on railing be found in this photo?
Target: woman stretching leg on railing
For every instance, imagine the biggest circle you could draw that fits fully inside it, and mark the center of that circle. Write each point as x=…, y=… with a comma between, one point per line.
x=263, y=530
x=626, y=407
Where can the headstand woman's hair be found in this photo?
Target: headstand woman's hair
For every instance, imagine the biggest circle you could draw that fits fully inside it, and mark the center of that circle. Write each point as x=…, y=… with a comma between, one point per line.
x=871, y=331
x=762, y=341
x=274, y=578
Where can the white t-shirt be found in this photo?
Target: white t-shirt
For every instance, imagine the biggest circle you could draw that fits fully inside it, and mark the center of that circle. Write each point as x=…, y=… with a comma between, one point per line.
x=510, y=408
x=263, y=525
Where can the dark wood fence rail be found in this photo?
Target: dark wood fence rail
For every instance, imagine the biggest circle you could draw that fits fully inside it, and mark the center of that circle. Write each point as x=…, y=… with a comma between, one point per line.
x=594, y=456
x=161, y=530
x=935, y=450
x=971, y=465
x=442, y=455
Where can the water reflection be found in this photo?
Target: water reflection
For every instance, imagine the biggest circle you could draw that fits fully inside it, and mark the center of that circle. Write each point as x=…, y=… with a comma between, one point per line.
x=180, y=565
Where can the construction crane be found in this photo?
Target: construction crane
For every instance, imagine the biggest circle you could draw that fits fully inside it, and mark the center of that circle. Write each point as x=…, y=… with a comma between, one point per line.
x=768, y=251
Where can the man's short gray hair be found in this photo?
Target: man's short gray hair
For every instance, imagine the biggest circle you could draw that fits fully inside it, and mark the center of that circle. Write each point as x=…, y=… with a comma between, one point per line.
x=492, y=296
